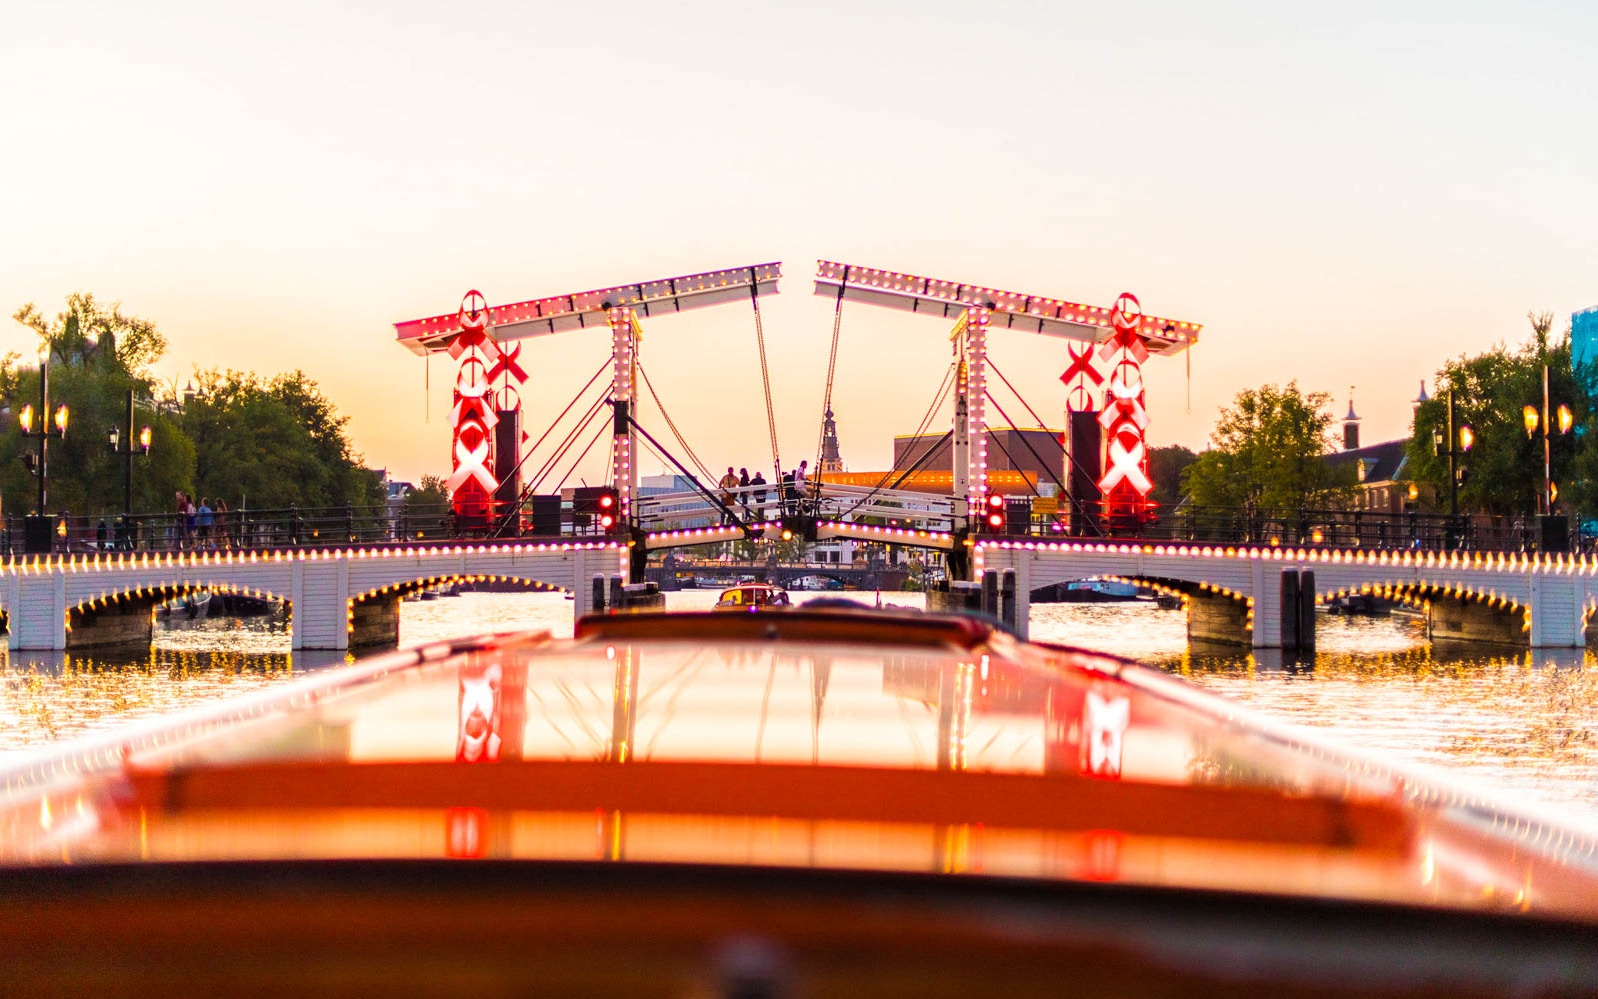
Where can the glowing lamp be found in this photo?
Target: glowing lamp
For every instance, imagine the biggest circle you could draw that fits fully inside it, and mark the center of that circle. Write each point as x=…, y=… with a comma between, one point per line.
x=61, y=528
x=1467, y=437
x=1529, y=416
x=144, y=439
x=61, y=420
x=1553, y=493
x=26, y=417
x=1566, y=419
x=1414, y=491
x=995, y=515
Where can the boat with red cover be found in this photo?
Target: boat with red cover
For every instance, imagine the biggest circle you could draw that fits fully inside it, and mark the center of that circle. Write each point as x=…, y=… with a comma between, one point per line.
x=819, y=801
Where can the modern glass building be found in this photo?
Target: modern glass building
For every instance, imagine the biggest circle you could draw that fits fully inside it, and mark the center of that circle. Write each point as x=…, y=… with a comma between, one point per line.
x=1584, y=337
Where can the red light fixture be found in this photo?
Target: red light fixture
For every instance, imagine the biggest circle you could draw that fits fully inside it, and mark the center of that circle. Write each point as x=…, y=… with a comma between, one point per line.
x=995, y=516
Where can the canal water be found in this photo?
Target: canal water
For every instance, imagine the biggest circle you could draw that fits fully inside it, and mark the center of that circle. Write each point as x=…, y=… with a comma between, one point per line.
x=1522, y=727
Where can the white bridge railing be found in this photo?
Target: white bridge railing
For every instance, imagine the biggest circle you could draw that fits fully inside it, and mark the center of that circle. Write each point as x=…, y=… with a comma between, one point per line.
x=764, y=504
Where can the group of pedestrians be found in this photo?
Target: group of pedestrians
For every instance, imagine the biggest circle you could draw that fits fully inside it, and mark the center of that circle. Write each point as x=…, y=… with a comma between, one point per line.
x=203, y=525
x=742, y=492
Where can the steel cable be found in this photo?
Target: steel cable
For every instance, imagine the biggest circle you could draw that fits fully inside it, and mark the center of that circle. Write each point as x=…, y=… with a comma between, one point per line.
x=765, y=378
x=672, y=424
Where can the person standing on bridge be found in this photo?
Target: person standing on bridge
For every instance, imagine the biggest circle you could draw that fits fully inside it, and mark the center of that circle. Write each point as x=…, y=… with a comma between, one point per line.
x=801, y=488
x=223, y=538
x=204, y=517
x=758, y=483
x=185, y=519
x=728, y=484
x=743, y=491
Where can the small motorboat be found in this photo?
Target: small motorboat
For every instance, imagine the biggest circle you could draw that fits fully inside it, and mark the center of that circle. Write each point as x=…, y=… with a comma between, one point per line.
x=824, y=801
x=753, y=597
x=189, y=607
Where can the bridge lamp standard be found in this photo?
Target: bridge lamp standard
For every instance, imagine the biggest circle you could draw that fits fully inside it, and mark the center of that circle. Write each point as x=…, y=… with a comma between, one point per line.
x=1563, y=420
x=50, y=425
x=1457, y=443
x=135, y=445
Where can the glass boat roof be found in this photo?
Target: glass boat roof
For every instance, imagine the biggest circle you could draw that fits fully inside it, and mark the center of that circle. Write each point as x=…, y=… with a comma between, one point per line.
x=791, y=739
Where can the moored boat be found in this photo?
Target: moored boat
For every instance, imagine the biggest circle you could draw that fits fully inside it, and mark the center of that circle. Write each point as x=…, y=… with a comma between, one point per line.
x=753, y=596
x=825, y=800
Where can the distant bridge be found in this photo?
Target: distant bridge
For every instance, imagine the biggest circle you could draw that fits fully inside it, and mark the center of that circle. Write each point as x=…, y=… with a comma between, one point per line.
x=349, y=596
x=868, y=576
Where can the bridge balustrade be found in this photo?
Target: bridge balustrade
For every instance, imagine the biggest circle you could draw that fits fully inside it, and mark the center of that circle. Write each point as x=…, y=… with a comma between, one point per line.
x=858, y=504
x=1327, y=529
x=295, y=528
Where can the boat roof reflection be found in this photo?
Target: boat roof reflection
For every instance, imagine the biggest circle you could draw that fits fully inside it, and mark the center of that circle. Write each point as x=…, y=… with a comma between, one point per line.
x=898, y=742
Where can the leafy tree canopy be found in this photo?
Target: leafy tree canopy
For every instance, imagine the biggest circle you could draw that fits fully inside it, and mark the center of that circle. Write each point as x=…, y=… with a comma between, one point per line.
x=89, y=332
x=1166, y=465
x=271, y=443
x=1266, y=454
x=243, y=439
x=97, y=356
x=1503, y=470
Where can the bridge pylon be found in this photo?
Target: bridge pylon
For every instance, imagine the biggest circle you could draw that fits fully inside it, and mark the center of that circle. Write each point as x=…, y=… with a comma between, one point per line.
x=977, y=309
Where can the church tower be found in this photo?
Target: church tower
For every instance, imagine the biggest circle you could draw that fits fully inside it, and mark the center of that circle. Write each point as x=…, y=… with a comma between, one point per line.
x=1351, y=425
x=830, y=461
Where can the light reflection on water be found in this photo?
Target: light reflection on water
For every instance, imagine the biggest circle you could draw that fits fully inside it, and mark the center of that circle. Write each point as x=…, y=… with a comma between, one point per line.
x=1524, y=727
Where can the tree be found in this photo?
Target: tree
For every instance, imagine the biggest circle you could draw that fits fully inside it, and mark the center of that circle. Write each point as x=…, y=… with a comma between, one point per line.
x=97, y=355
x=1490, y=390
x=271, y=444
x=1267, y=452
x=88, y=331
x=426, y=507
x=276, y=442
x=1166, y=465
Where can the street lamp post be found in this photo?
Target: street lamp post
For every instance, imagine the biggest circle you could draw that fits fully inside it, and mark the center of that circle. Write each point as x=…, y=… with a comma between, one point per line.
x=37, y=534
x=140, y=445
x=50, y=425
x=1550, y=492
x=1458, y=443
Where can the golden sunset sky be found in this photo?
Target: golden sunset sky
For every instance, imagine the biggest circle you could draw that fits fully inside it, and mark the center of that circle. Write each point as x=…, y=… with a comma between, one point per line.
x=1343, y=195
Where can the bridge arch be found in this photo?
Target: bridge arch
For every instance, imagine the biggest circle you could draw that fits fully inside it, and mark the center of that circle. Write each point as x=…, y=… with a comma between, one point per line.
x=371, y=617
x=39, y=595
x=1496, y=598
x=126, y=615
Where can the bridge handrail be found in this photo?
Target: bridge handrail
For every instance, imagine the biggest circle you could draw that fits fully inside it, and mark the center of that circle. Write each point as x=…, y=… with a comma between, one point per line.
x=1326, y=528
x=384, y=525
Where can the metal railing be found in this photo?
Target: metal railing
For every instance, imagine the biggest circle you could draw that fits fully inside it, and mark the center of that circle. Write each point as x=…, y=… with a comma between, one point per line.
x=1335, y=529
x=758, y=504
x=369, y=526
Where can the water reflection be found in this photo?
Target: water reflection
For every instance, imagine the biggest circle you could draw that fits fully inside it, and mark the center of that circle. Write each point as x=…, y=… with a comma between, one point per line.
x=1525, y=725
